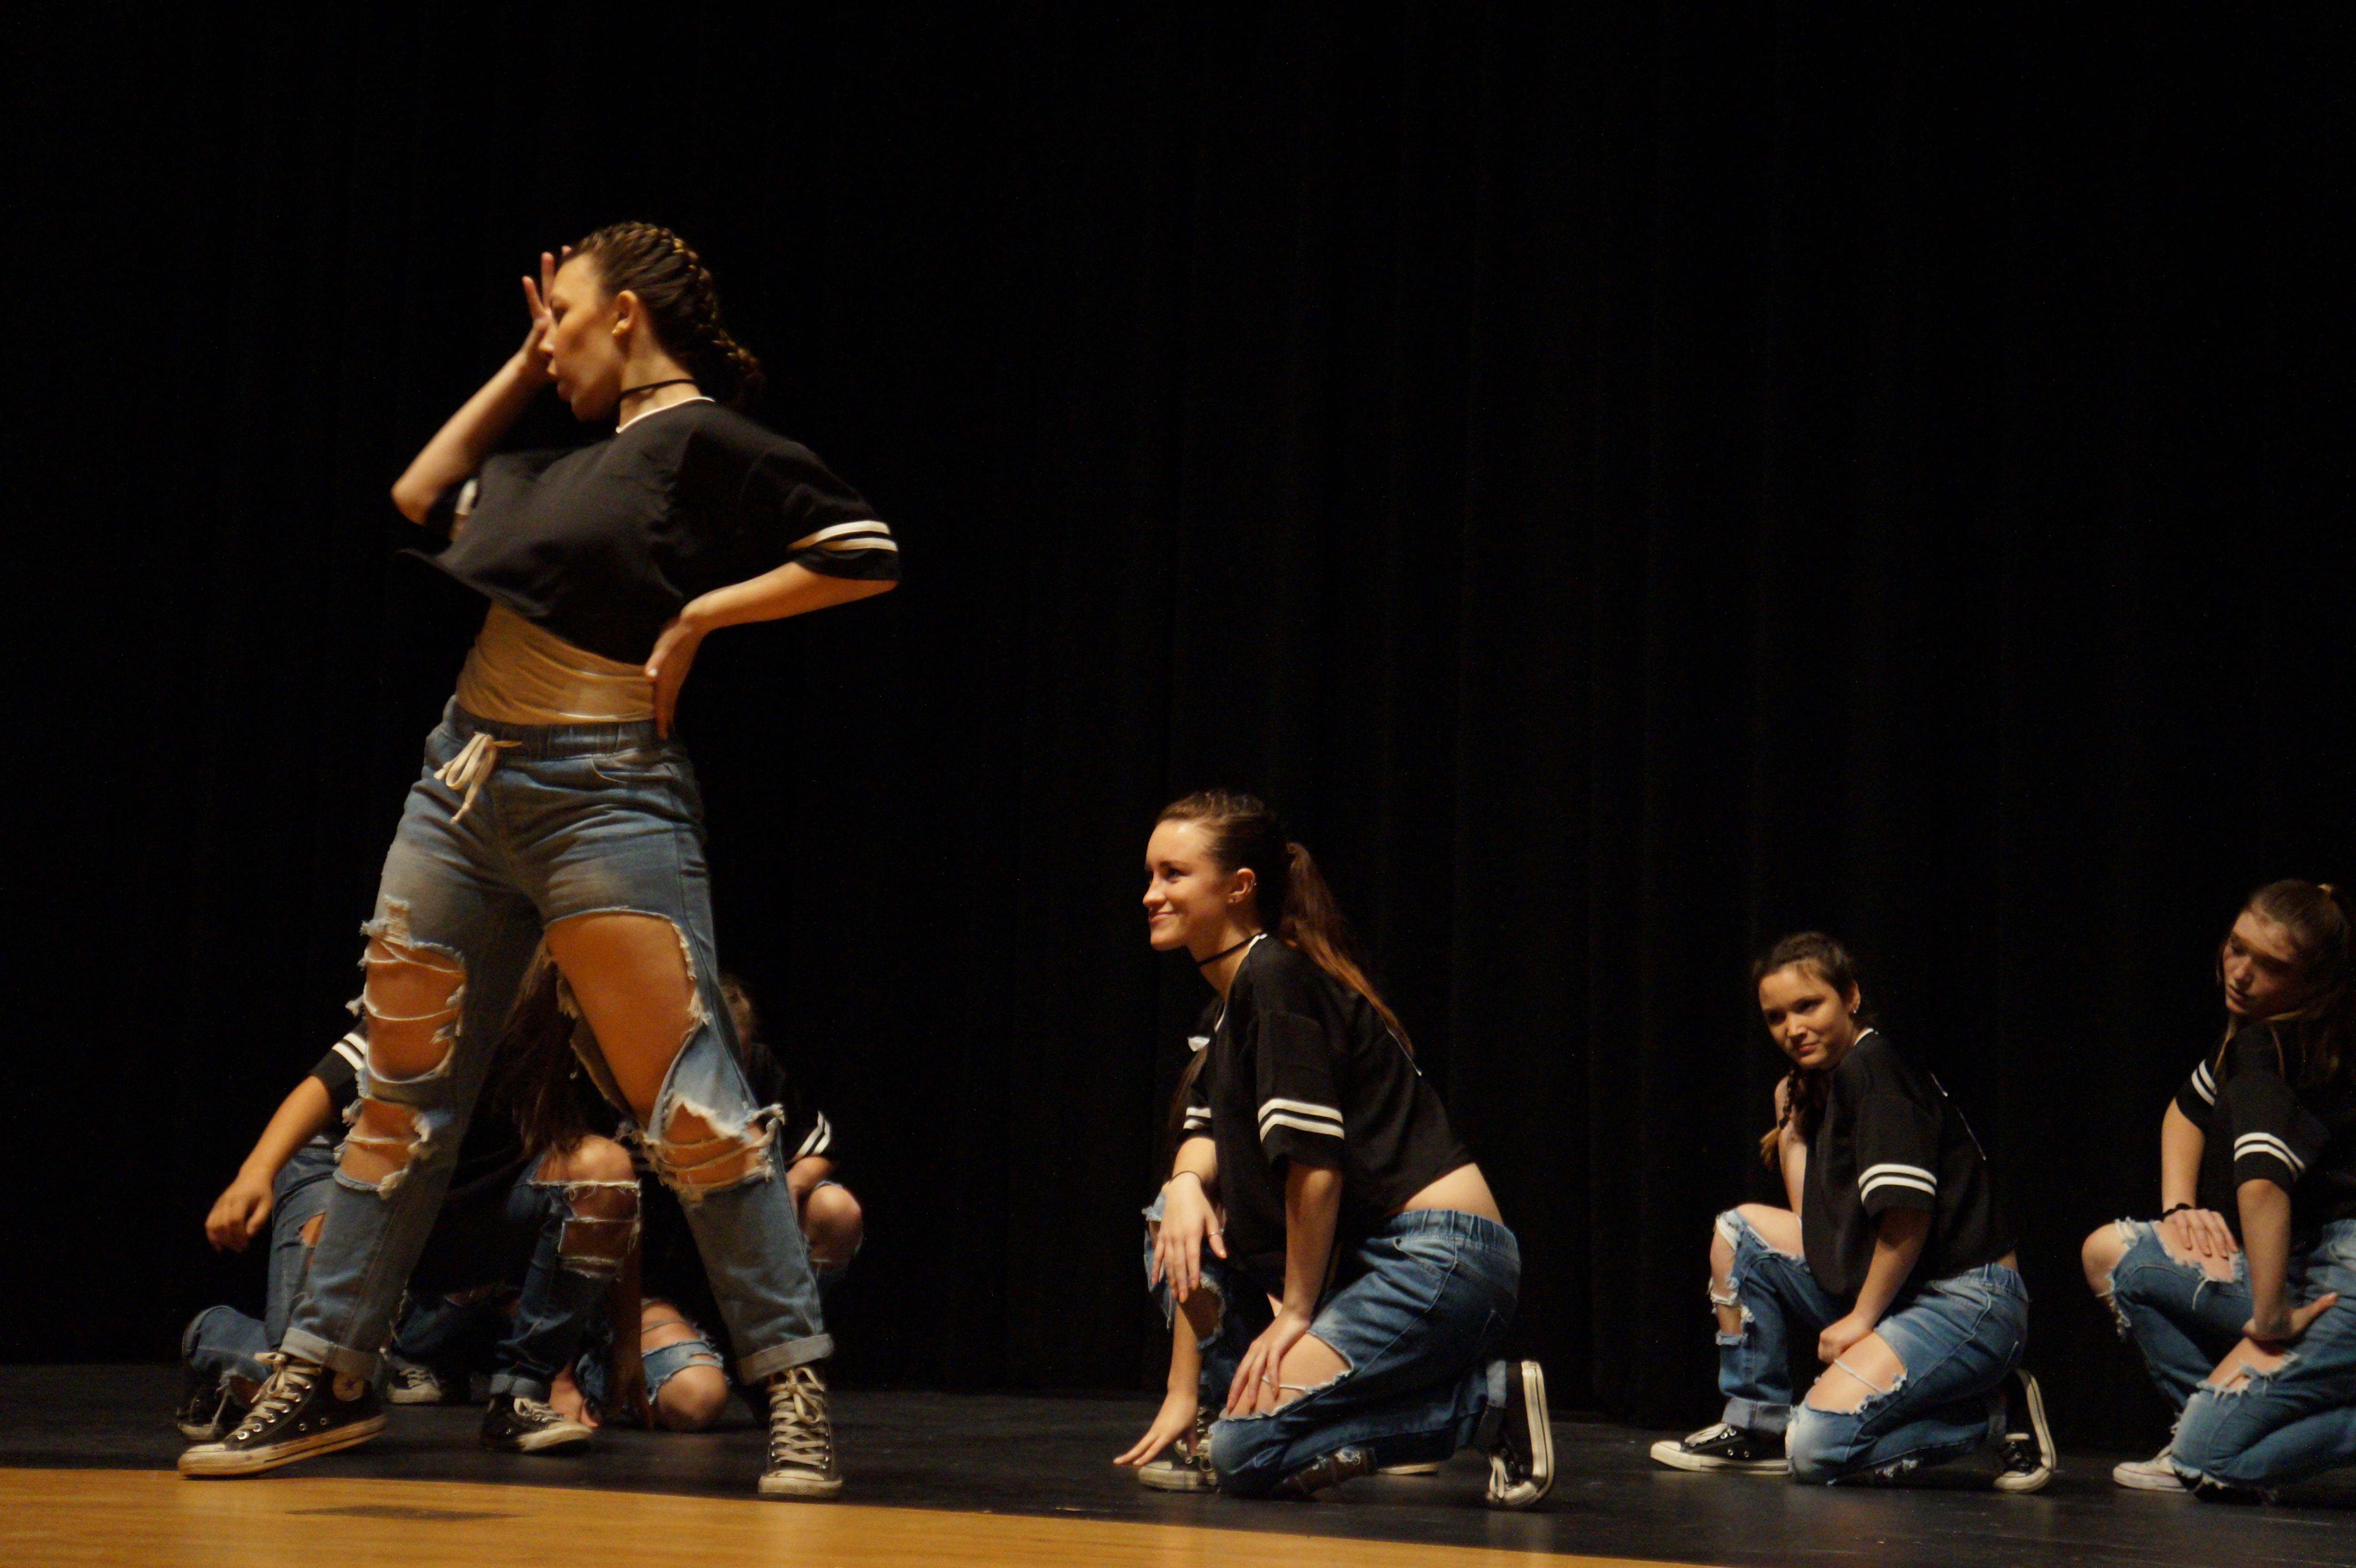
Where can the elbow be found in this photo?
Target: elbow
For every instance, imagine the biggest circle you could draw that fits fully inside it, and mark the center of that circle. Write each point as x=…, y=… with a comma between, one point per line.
x=408, y=501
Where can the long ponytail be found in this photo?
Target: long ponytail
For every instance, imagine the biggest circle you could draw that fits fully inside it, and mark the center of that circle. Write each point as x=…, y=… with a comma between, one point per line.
x=1295, y=904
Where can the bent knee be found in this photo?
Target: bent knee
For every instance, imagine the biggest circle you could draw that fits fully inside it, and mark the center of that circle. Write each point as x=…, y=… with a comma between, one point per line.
x=591, y=1160
x=2100, y=1255
x=691, y=1398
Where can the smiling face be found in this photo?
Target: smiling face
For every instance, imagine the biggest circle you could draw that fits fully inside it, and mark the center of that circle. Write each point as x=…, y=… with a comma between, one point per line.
x=1191, y=900
x=584, y=351
x=2260, y=968
x=1811, y=1022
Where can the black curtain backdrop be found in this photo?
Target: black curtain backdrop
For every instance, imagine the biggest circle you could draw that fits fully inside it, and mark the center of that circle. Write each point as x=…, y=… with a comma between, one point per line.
x=1627, y=480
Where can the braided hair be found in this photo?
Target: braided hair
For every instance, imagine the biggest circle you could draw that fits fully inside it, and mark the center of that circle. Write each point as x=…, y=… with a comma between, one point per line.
x=675, y=287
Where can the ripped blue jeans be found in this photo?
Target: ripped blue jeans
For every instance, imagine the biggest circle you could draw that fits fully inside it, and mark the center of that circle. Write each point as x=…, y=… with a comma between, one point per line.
x=559, y=821
x=1958, y=1339
x=2273, y=1428
x=2180, y=1320
x=1418, y=1312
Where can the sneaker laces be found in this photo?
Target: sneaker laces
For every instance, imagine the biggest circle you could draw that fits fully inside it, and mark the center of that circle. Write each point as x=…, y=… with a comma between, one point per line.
x=538, y=1412
x=290, y=1380
x=798, y=1431
x=1719, y=1433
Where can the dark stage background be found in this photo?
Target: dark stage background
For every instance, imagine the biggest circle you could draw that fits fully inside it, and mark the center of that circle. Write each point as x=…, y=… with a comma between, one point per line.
x=1628, y=480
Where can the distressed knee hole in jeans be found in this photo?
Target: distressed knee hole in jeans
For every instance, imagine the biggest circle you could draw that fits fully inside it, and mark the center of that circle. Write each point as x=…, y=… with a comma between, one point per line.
x=599, y=1227
x=413, y=1000
x=698, y=1153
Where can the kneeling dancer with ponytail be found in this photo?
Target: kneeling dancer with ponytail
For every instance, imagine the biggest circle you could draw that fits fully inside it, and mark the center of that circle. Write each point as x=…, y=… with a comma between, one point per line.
x=1893, y=1255
x=1348, y=1293
x=557, y=805
x=2278, y=1102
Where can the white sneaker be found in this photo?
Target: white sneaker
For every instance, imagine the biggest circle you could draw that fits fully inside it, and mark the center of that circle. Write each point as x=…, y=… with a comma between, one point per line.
x=2152, y=1475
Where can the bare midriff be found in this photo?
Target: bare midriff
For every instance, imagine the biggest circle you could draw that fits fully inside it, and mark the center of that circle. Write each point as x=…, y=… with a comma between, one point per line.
x=1464, y=1189
x=518, y=674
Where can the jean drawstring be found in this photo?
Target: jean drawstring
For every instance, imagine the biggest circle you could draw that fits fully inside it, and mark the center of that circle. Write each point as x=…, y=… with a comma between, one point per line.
x=467, y=770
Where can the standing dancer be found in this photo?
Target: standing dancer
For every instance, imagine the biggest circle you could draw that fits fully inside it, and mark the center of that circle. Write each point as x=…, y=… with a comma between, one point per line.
x=556, y=802
x=1893, y=1254
x=2264, y=1131
x=1342, y=1196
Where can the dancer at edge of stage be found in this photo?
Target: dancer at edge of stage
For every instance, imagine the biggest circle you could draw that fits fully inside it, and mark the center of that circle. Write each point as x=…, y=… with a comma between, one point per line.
x=1341, y=1276
x=2234, y=1295
x=556, y=802
x=1893, y=1255
x=528, y=1240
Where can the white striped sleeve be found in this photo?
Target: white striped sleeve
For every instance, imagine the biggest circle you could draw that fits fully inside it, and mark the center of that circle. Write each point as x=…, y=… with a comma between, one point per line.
x=820, y=1138
x=353, y=1048
x=1899, y=1178
x=2253, y=1152
x=1300, y=1115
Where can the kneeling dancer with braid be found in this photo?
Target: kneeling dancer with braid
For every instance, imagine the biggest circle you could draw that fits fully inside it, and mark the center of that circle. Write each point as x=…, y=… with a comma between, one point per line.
x=1341, y=1276
x=1893, y=1255
x=557, y=805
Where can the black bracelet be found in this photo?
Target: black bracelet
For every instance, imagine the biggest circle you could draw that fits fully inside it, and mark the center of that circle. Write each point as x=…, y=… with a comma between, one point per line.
x=2166, y=1214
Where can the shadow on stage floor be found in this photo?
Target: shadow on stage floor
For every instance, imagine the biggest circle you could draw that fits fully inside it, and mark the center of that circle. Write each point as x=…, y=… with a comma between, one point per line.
x=1049, y=1458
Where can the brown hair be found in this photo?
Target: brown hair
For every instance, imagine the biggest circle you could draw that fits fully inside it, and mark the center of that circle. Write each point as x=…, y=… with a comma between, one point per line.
x=1295, y=905
x=1803, y=1092
x=2321, y=1030
x=675, y=287
x=531, y=1078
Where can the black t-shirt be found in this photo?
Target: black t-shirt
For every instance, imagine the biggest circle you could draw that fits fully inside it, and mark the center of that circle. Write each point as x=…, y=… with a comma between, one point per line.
x=490, y=1157
x=603, y=544
x=1302, y=1067
x=2257, y=1127
x=1889, y=1137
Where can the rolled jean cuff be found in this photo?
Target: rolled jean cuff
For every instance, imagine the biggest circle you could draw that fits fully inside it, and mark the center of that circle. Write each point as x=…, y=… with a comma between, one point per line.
x=763, y=1364
x=520, y=1386
x=311, y=1347
x=1757, y=1415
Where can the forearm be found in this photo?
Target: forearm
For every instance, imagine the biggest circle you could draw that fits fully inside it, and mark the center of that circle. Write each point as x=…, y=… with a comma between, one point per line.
x=1313, y=1203
x=1896, y=1245
x=2265, y=1243
x=2182, y=1145
x=459, y=447
x=791, y=590
x=1198, y=1157
x=300, y=1117
x=1186, y=1358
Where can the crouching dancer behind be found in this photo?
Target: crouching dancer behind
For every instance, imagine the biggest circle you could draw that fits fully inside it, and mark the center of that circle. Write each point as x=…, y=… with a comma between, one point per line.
x=1348, y=1200
x=2179, y=1285
x=556, y=802
x=2278, y=1102
x=556, y=1224
x=1893, y=1255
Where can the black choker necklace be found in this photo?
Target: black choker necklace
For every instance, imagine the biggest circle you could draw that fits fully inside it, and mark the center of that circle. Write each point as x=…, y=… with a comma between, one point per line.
x=650, y=386
x=1222, y=953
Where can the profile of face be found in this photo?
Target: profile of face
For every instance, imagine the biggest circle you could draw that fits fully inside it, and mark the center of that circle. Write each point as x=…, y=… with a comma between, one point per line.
x=1810, y=1021
x=1191, y=900
x=587, y=337
x=2260, y=967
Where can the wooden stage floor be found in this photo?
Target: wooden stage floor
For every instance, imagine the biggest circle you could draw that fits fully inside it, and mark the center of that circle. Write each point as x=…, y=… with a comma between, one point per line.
x=979, y=1480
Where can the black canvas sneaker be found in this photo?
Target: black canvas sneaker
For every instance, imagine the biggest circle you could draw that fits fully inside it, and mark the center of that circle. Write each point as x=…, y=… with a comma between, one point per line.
x=1725, y=1447
x=1340, y=1466
x=1521, y=1467
x=303, y=1409
x=208, y=1410
x=414, y=1384
x=801, y=1438
x=1187, y=1466
x=514, y=1424
x=2028, y=1458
